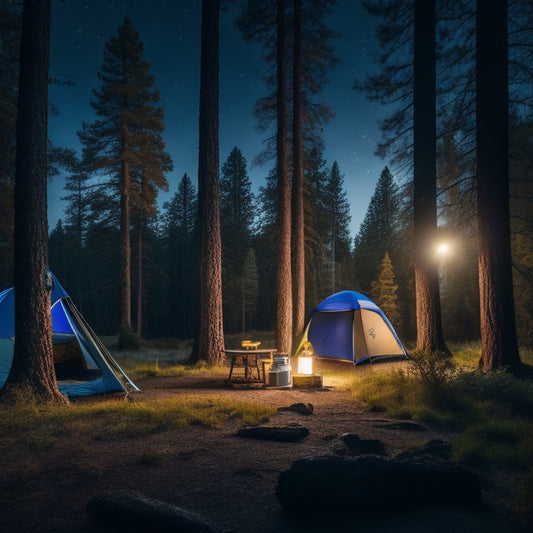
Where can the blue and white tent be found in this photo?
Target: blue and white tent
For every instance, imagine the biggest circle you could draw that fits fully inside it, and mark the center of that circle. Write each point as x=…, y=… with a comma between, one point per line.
x=349, y=326
x=82, y=363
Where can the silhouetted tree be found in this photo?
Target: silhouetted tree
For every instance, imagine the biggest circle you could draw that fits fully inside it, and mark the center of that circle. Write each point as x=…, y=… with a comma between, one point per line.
x=237, y=217
x=9, y=62
x=336, y=221
x=33, y=360
x=316, y=238
x=179, y=226
x=378, y=233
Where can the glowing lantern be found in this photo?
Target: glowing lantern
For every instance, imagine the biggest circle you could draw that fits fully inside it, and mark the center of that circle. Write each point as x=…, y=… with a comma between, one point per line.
x=305, y=360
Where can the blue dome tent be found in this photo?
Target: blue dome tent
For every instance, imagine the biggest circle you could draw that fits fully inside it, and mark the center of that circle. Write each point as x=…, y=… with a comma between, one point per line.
x=349, y=326
x=82, y=363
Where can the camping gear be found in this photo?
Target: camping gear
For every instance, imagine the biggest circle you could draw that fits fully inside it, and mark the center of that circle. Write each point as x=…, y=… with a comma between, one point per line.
x=279, y=375
x=349, y=326
x=82, y=363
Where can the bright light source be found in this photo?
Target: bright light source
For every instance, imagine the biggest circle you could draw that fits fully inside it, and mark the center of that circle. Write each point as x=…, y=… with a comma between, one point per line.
x=305, y=364
x=442, y=249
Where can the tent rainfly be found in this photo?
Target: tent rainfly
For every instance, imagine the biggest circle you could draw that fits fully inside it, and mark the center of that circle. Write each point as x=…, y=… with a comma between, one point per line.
x=349, y=326
x=82, y=363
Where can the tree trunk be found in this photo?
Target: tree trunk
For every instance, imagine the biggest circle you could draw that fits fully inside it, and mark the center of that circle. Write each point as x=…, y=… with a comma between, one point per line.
x=499, y=347
x=33, y=360
x=284, y=275
x=211, y=335
x=125, y=247
x=298, y=177
x=430, y=338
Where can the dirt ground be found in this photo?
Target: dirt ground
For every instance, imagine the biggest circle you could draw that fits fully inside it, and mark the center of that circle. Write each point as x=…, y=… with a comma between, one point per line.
x=229, y=480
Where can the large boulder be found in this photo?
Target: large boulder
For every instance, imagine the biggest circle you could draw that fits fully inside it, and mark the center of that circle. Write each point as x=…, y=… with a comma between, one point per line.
x=339, y=483
x=130, y=511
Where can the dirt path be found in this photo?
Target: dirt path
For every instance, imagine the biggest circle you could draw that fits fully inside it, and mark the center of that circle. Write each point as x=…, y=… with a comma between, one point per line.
x=229, y=480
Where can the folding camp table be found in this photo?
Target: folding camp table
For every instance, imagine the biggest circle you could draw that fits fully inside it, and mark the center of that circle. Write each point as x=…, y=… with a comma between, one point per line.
x=252, y=362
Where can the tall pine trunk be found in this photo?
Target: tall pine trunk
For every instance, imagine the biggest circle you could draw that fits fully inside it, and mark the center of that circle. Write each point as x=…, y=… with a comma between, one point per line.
x=298, y=177
x=211, y=334
x=33, y=360
x=284, y=275
x=430, y=338
x=125, y=247
x=499, y=347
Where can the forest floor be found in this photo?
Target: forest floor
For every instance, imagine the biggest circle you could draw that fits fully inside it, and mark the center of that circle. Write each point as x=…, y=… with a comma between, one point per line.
x=230, y=480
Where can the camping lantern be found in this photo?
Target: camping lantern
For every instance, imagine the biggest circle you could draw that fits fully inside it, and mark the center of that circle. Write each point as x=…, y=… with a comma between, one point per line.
x=305, y=360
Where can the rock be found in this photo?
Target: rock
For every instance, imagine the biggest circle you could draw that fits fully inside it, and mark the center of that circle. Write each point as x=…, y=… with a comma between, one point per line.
x=129, y=511
x=299, y=408
x=281, y=434
x=332, y=483
x=435, y=448
x=358, y=446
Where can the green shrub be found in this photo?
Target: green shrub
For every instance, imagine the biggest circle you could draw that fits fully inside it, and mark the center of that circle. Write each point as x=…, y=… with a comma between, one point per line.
x=496, y=442
x=128, y=339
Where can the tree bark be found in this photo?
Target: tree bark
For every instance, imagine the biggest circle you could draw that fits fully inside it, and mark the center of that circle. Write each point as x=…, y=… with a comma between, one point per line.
x=298, y=177
x=499, y=347
x=284, y=274
x=211, y=335
x=430, y=338
x=33, y=360
x=125, y=246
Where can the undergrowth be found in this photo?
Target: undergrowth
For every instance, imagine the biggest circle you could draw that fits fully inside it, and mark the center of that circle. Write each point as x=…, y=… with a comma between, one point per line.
x=492, y=413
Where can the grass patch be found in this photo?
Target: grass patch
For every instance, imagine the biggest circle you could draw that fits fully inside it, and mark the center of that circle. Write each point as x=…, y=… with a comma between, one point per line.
x=136, y=369
x=37, y=429
x=501, y=442
x=152, y=457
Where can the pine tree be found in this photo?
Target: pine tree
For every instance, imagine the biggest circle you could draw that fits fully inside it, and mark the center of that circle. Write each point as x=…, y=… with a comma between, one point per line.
x=237, y=215
x=125, y=144
x=316, y=238
x=384, y=292
x=378, y=233
x=180, y=243
x=336, y=223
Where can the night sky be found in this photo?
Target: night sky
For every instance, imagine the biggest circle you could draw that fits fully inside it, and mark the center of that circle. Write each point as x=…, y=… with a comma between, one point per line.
x=170, y=31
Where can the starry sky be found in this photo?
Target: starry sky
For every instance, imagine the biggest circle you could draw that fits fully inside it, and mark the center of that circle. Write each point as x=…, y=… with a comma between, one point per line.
x=170, y=31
